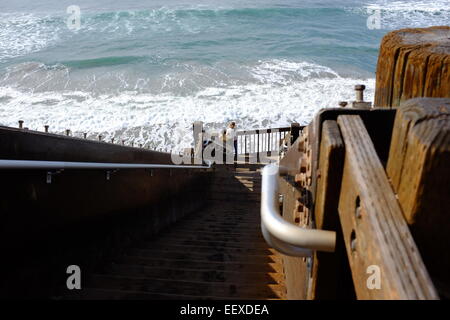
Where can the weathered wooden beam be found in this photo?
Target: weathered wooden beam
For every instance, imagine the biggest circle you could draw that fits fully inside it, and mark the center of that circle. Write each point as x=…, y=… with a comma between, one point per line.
x=329, y=273
x=419, y=170
x=296, y=270
x=331, y=162
x=413, y=63
x=383, y=257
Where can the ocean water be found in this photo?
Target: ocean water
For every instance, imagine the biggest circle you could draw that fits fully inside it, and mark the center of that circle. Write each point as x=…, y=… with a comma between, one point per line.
x=144, y=71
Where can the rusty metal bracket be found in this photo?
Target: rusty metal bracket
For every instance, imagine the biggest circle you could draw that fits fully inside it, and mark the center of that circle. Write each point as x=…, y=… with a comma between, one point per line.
x=50, y=174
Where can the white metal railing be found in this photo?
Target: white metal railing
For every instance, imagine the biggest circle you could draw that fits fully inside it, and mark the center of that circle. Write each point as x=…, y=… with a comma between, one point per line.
x=282, y=235
x=261, y=140
x=37, y=164
x=110, y=167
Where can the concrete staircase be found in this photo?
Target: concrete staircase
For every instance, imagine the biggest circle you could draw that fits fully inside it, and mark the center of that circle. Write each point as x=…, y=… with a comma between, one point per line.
x=216, y=253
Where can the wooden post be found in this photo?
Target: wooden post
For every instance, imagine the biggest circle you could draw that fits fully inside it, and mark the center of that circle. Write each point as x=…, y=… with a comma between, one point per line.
x=197, y=129
x=419, y=169
x=413, y=63
x=383, y=257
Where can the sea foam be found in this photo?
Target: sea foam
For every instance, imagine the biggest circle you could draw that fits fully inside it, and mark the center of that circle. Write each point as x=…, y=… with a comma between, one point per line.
x=282, y=92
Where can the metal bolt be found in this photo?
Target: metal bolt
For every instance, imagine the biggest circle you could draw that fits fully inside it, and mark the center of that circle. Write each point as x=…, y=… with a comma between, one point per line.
x=84, y=135
x=303, y=164
x=358, y=213
x=20, y=124
x=343, y=104
x=67, y=132
x=99, y=138
x=123, y=142
x=280, y=199
x=140, y=145
x=46, y=128
x=301, y=145
x=112, y=140
x=353, y=245
x=359, y=88
x=358, y=207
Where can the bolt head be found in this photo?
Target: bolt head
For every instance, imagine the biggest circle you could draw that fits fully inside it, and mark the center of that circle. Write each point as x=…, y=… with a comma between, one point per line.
x=353, y=245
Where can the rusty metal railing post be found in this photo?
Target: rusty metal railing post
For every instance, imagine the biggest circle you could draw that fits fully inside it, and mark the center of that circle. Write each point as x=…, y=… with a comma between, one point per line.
x=295, y=131
x=257, y=146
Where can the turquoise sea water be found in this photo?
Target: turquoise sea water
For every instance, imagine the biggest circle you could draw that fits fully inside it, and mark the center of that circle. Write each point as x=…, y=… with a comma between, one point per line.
x=145, y=70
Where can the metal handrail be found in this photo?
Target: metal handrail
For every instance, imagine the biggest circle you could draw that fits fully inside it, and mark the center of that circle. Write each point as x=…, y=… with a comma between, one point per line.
x=282, y=235
x=37, y=164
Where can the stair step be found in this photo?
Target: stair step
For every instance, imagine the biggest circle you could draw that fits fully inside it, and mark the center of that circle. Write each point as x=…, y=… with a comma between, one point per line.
x=111, y=294
x=218, y=224
x=226, y=209
x=168, y=246
x=226, y=221
x=205, y=256
x=218, y=242
x=195, y=274
x=210, y=235
x=232, y=198
x=191, y=288
x=244, y=266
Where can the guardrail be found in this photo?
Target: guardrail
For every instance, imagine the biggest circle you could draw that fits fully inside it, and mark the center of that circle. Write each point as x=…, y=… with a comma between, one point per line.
x=250, y=143
x=63, y=165
x=282, y=235
x=261, y=140
x=36, y=164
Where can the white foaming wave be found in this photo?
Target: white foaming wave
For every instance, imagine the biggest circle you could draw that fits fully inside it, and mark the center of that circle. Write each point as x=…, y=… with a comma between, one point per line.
x=127, y=22
x=284, y=71
x=411, y=14
x=21, y=34
x=163, y=122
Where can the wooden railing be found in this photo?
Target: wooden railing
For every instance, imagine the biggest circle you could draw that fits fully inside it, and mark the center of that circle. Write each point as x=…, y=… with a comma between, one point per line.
x=380, y=179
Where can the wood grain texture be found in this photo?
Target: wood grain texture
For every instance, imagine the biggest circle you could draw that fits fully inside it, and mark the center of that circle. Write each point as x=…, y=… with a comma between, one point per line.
x=374, y=229
x=413, y=63
x=419, y=169
x=327, y=271
x=296, y=269
x=330, y=168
